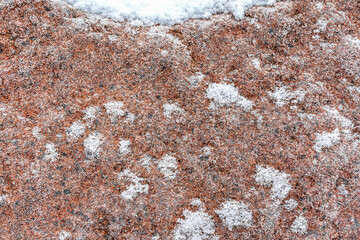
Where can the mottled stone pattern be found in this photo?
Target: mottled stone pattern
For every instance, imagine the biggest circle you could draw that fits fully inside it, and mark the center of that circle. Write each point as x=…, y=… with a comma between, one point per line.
x=212, y=129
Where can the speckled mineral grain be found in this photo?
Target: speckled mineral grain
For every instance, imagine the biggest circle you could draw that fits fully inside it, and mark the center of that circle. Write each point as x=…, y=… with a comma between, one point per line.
x=211, y=129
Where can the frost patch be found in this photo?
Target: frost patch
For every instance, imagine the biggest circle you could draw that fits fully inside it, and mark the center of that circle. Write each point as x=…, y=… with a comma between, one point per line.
x=300, y=225
x=326, y=139
x=76, y=130
x=64, y=235
x=224, y=94
x=92, y=145
x=290, y=204
x=91, y=114
x=168, y=167
x=115, y=110
x=271, y=177
x=234, y=213
x=124, y=147
x=51, y=152
x=196, y=226
x=136, y=187
x=282, y=96
x=169, y=109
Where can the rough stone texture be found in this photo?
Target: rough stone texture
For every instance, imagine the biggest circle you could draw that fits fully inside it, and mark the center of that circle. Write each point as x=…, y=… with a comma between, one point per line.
x=297, y=61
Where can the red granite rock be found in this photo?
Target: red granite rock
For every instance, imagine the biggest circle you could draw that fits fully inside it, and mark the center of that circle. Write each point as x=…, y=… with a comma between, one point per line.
x=214, y=128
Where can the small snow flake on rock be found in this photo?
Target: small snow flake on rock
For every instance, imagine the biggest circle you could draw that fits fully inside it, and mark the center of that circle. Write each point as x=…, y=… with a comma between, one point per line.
x=114, y=110
x=290, y=204
x=225, y=94
x=234, y=213
x=92, y=145
x=326, y=139
x=278, y=181
x=196, y=226
x=300, y=225
x=76, y=130
x=51, y=152
x=136, y=187
x=170, y=109
x=168, y=167
x=64, y=235
x=91, y=114
x=282, y=96
x=124, y=147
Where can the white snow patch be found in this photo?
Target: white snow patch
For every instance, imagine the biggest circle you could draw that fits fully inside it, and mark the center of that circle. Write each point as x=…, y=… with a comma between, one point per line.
x=3, y=198
x=196, y=226
x=196, y=202
x=168, y=166
x=64, y=235
x=135, y=188
x=234, y=213
x=36, y=132
x=290, y=204
x=326, y=139
x=282, y=96
x=225, y=94
x=92, y=145
x=90, y=114
x=353, y=41
x=300, y=225
x=124, y=147
x=270, y=177
x=196, y=79
x=51, y=152
x=115, y=110
x=334, y=113
x=169, y=109
x=76, y=130
x=343, y=190
x=151, y=12
x=256, y=63
x=146, y=161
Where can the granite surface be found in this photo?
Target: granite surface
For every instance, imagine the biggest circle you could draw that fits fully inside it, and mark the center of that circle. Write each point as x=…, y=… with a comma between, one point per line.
x=211, y=129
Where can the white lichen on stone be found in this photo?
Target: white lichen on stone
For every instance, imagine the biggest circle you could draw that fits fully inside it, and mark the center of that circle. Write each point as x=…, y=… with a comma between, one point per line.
x=167, y=165
x=63, y=235
x=92, y=145
x=114, y=110
x=51, y=152
x=76, y=130
x=290, y=204
x=300, y=225
x=326, y=139
x=196, y=226
x=226, y=94
x=282, y=96
x=278, y=181
x=235, y=213
x=124, y=147
x=170, y=109
x=136, y=187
